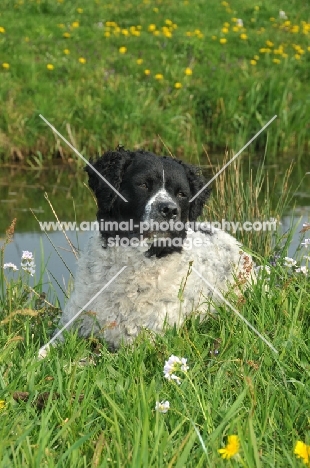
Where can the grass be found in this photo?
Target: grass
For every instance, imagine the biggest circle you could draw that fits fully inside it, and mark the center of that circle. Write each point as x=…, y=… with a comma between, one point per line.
x=84, y=67
x=84, y=406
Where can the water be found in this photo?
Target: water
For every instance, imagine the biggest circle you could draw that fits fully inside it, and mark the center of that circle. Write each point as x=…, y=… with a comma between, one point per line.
x=71, y=199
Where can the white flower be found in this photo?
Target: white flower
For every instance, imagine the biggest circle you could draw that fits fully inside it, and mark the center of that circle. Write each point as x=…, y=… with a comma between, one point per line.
x=307, y=258
x=302, y=269
x=162, y=407
x=174, y=364
x=282, y=14
x=306, y=243
x=289, y=262
x=240, y=23
x=184, y=366
x=27, y=255
x=10, y=265
x=27, y=262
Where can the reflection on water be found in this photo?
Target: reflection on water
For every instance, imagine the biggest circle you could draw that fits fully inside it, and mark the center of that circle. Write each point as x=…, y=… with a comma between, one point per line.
x=72, y=200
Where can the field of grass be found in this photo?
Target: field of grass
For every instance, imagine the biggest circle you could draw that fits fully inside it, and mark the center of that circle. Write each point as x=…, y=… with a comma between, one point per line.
x=84, y=406
x=151, y=73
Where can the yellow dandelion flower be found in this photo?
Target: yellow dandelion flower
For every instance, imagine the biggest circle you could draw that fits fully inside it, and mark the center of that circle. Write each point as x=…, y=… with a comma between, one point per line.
x=262, y=50
x=139, y=61
x=235, y=28
x=6, y=66
x=79, y=10
x=308, y=49
x=188, y=34
x=223, y=40
x=234, y=20
x=214, y=38
x=275, y=60
x=269, y=43
x=272, y=19
x=136, y=33
x=197, y=32
x=167, y=34
x=243, y=36
x=156, y=33
x=147, y=72
x=284, y=55
x=155, y=10
x=2, y=404
x=27, y=39
x=301, y=51
x=297, y=56
x=256, y=57
x=122, y=50
x=66, y=34
x=151, y=27
x=82, y=60
x=253, y=62
x=232, y=448
x=188, y=71
x=159, y=76
x=2, y=30
x=139, y=27
x=107, y=34
x=168, y=22
x=178, y=85
x=225, y=30
x=175, y=26
x=302, y=451
x=295, y=29
x=49, y=66
x=226, y=25
x=125, y=32
x=66, y=51
x=75, y=24
x=256, y=8
x=225, y=4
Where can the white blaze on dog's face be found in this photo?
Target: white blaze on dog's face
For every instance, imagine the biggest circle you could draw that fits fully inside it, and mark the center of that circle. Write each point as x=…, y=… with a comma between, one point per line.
x=156, y=189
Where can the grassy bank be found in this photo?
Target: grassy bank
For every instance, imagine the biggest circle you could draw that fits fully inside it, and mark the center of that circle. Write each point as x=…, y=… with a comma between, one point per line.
x=84, y=406
x=186, y=73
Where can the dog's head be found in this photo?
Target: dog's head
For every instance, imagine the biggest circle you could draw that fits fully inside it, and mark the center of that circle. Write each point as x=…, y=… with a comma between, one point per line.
x=157, y=189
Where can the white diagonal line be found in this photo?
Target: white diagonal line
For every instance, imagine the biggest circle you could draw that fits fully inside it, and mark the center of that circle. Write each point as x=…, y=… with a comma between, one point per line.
x=232, y=159
x=236, y=311
x=81, y=310
x=82, y=157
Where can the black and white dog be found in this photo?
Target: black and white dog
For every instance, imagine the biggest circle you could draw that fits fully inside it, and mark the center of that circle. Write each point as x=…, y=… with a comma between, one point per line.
x=152, y=235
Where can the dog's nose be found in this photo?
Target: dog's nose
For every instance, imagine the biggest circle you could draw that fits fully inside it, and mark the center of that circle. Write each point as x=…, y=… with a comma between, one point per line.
x=168, y=210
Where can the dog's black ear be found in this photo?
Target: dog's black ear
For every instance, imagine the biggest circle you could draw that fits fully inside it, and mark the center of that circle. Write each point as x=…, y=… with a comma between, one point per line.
x=111, y=165
x=196, y=182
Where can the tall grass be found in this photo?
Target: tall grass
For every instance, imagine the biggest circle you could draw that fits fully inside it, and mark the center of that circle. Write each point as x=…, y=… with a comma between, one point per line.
x=84, y=406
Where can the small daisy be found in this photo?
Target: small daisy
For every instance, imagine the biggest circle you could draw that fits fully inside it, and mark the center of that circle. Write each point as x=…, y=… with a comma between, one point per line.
x=306, y=243
x=27, y=262
x=11, y=266
x=239, y=23
x=162, y=407
x=302, y=269
x=289, y=262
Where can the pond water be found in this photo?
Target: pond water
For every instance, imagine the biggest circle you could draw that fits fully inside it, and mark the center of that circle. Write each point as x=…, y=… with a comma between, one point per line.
x=67, y=191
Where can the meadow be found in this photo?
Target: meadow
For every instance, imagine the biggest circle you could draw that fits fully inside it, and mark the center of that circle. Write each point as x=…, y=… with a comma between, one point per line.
x=185, y=77
x=240, y=402
x=157, y=74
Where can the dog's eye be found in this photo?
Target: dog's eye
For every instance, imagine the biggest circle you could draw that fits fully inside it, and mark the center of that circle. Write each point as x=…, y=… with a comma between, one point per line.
x=144, y=185
x=181, y=194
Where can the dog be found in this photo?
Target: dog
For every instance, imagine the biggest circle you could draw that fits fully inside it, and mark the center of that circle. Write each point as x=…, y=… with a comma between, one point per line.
x=165, y=269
